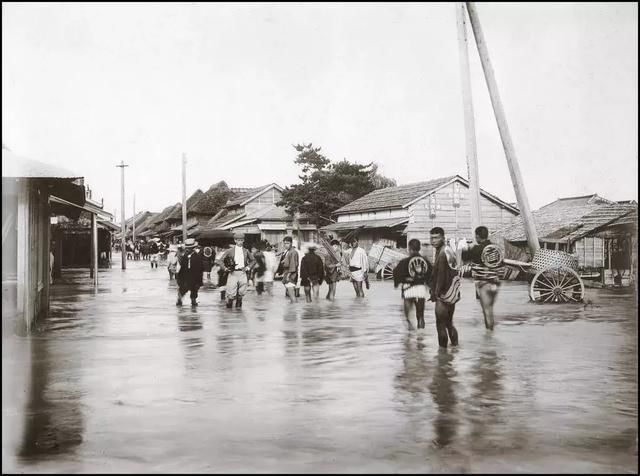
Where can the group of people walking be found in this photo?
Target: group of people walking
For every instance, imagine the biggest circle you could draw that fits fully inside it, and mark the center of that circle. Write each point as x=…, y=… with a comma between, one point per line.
x=440, y=282
x=419, y=279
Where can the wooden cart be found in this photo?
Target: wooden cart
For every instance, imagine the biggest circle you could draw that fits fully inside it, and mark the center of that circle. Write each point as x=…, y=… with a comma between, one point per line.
x=555, y=277
x=383, y=259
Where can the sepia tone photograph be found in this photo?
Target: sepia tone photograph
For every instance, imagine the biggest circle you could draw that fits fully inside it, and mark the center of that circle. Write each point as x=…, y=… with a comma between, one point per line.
x=320, y=238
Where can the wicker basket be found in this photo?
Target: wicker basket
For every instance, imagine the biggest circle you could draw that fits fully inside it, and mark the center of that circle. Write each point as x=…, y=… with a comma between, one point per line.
x=546, y=259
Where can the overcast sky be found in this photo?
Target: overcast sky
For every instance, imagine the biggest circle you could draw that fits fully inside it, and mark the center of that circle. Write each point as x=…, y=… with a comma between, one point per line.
x=235, y=85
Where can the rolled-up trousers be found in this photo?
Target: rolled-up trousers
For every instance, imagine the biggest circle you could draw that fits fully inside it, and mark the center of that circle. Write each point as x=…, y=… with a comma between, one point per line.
x=236, y=284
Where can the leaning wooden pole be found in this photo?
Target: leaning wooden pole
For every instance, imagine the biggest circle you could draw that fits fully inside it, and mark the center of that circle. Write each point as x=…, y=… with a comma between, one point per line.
x=505, y=136
x=469, y=125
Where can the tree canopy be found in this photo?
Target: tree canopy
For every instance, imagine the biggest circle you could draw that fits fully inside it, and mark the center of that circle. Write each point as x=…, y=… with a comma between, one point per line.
x=326, y=186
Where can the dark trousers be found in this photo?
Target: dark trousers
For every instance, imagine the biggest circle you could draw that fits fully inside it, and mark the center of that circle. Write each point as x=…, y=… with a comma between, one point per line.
x=183, y=288
x=444, y=323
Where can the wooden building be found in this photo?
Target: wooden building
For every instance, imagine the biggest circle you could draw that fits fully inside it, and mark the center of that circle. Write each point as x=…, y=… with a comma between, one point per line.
x=601, y=233
x=392, y=216
x=32, y=192
x=254, y=212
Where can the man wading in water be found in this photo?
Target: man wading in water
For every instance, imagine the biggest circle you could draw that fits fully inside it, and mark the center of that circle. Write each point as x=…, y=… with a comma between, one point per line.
x=487, y=280
x=289, y=268
x=413, y=273
x=445, y=288
x=359, y=267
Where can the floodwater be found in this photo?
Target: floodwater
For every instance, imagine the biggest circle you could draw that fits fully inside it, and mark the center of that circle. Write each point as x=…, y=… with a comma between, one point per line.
x=123, y=380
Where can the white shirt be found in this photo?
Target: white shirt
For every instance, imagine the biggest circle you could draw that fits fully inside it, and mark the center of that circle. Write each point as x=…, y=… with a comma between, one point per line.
x=239, y=257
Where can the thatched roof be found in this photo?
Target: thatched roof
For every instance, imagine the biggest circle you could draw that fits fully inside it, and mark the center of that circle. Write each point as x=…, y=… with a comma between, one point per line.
x=568, y=219
x=14, y=165
x=213, y=199
x=176, y=213
x=165, y=213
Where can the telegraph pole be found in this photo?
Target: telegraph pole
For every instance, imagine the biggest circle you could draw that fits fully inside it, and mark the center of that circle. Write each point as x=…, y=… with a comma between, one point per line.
x=469, y=125
x=124, y=240
x=505, y=136
x=134, y=218
x=184, y=197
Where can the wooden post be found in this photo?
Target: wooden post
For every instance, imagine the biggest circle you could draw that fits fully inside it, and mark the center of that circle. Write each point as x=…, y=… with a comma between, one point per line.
x=133, y=233
x=184, y=197
x=469, y=125
x=122, y=226
x=505, y=136
x=94, y=247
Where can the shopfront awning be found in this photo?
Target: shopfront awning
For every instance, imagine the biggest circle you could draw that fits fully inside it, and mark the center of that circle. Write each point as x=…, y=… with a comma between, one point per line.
x=366, y=224
x=238, y=223
x=87, y=207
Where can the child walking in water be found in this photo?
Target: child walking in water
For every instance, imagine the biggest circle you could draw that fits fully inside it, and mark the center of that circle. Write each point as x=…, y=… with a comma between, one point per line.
x=413, y=273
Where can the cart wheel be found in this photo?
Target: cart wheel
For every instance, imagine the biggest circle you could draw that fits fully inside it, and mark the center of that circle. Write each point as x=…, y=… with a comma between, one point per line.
x=556, y=285
x=387, y=272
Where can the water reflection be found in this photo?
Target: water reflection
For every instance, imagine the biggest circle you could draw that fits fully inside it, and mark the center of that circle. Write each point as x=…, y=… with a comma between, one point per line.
x=443, y=390
x=192, y=345
x=53, y=419
x=486, y=399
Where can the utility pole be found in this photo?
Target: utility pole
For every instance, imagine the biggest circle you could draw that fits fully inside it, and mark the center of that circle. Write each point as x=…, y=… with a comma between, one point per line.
x=134, y=218
x=124, y=240
x=505, y=136
x=469, y=125
x=184, y=197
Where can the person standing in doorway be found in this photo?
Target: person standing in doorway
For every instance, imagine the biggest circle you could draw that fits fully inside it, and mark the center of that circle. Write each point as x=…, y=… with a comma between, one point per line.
x=289, y=268
x=359, y=267
x=487, y=280
x=413, y=273
x=237, y=261
x=445, y=288
x=189, y=276
x=311, y=273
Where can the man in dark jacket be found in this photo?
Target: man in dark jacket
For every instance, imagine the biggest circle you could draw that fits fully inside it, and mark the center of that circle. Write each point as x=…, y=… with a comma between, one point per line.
x=442, y=279
x=311, y=273
x=189, y=277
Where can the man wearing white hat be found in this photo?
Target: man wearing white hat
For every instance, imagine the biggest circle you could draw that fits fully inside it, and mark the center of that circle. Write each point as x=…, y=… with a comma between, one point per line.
x=190, y=275
x=237, y=260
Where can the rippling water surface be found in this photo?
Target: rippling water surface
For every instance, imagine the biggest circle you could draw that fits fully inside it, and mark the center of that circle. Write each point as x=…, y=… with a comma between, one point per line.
x=122, y=380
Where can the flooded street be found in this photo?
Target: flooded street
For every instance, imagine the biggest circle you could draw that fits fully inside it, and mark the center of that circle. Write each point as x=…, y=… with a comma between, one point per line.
x=123, y=380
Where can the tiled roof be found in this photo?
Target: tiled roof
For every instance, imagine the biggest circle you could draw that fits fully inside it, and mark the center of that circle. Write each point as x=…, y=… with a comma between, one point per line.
x=270, y=212
x=16, y=166
x=568, y=219
x=352, y=225
x=246, y=195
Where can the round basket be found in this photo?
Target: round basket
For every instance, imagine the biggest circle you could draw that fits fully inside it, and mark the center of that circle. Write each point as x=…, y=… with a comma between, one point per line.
x=546, y=259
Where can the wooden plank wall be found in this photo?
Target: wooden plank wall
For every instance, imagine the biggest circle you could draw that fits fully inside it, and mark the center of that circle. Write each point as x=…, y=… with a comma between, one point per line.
x=456, y=221
x=590, y=252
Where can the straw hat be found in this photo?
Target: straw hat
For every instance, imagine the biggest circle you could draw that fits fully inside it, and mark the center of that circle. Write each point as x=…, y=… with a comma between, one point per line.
x=190, y=243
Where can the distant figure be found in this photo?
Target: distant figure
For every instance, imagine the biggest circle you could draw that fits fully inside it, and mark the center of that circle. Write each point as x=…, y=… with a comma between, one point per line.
x=189, y=276
x=259, y=268
x=271, y=267
x=289, y=268
x=311, y=273
x=238, y=262
x=359, y=267
x=444, y=289
x=51, y=258
x=153, y=252
x=487, y=280
x=136, y=252
x=333, y=271
x=172, y=261
x=413, y=273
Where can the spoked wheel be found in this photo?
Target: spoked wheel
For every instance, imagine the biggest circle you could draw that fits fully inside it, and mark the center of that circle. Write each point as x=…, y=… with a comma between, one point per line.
x=556, y=285
x=387, y=271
